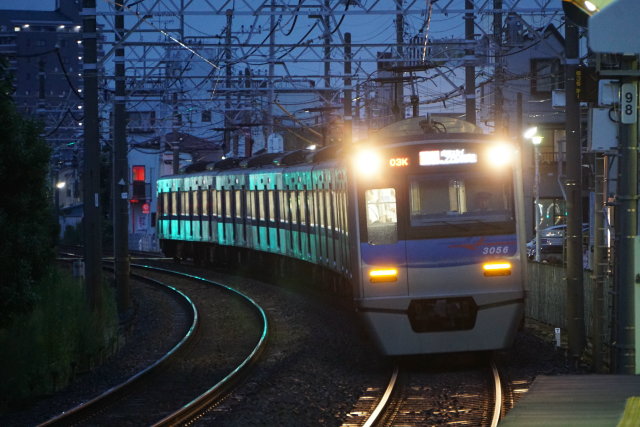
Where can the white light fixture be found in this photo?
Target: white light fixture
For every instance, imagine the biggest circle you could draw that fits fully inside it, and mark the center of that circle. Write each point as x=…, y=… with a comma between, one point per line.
x=531, y=132
x=590, y=6
x=60, y=185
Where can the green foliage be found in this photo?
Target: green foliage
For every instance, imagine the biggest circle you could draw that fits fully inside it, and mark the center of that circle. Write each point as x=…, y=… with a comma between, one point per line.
x=61, y=337
x=27, y=226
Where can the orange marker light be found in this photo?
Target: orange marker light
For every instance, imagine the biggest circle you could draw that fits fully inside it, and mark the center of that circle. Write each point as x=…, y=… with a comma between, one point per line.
x=497, y=268
x=383, y=275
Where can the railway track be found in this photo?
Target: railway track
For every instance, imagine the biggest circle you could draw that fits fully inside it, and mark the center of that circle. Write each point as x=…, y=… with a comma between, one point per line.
x=418, y=396
x=195, y=373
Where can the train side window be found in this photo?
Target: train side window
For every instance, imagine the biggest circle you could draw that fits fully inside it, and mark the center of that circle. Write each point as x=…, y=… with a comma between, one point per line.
x=260, y=198
x=248, y=194
x=195, y=206
x=271, y=203
x=321, y=212
x=382, y=220
x=293, y=201
x=215, y=202
x=301, y=206
x=204, y=196
x=284, y=207
x=238, y=205
x=222, y=203
x=227, y=203
x=186, y=209
x=309, y=207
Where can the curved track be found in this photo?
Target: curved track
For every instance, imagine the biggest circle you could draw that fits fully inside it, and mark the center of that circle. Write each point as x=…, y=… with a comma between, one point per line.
x=418, y=398
x=195, y=372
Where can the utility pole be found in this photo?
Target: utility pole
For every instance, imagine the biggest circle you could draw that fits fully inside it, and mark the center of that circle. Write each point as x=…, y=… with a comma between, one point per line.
x=348, y=124
x=398, y=106
x=91, y=171
x=573, y=191
x=227, y=83
x=469, y=69
x=326, y=19
x=498, y=77
x=120, y=183
x=626, y=219
x=272, y=69
x=174, y=101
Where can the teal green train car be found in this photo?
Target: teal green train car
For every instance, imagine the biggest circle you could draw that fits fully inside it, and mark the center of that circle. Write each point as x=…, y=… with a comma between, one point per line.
x=419, y=228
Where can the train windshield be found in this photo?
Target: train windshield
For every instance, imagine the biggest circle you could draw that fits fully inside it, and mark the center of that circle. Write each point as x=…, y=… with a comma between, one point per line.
x=462, y=197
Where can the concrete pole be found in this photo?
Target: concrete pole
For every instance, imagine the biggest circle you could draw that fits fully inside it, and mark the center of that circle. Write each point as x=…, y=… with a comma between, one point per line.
x=91, y=171
x=573, y=191
x=398, y=97
x=348, y=130
x=469, y=68
x=120, y=172
x=498, y=75
x=626, y=222
x=272, y=52
x=227, y=85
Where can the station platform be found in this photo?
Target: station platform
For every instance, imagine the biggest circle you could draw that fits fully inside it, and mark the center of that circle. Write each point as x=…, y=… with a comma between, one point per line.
x=578, y=400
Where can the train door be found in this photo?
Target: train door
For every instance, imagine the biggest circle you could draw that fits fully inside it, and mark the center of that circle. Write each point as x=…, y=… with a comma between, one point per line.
x=382, y=248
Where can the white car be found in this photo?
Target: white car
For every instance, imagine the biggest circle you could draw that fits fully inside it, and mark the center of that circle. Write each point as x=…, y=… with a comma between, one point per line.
x=552, y=242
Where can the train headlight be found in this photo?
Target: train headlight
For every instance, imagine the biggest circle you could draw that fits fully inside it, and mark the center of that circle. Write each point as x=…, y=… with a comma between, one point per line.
x=367, y=162
x=497, y=268
x=383, y=275
x=500, y=155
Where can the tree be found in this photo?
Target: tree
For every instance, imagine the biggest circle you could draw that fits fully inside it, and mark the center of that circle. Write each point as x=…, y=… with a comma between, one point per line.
x=27, y=225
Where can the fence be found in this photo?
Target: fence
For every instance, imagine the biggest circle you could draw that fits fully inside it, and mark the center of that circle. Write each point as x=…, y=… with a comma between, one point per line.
x=547, y=297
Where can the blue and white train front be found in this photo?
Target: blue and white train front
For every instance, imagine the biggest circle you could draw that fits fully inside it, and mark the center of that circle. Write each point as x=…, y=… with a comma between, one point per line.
x=439, y=259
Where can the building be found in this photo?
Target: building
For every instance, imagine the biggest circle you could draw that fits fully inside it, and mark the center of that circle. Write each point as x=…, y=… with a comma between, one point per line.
x=44, y=49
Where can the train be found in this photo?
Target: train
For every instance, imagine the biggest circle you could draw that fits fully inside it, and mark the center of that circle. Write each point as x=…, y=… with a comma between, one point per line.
x=418, y=226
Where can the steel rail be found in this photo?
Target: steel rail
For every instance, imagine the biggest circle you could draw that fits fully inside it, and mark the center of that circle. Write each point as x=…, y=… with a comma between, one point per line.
x=200, y=404
x=384, y=402
x=76, y=412
x=497, y=409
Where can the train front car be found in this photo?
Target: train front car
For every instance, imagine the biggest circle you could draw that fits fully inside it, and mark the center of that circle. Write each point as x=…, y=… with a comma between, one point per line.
x=440, y=259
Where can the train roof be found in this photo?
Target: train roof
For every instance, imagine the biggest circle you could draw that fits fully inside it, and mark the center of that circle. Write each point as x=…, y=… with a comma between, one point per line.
x=425, y=127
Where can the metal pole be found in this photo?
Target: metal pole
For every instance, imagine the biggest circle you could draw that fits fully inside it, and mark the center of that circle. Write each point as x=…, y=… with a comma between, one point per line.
x=598, y=267
x=626, y=222
x=536, y=196
x=227, y=84
x=272, y=52
x=497, y=39
x=348, y=131
x=91, y=172
x=398, y=108
x=469, y=68
x=573, y=187
x=326, y=19
x=120, y=172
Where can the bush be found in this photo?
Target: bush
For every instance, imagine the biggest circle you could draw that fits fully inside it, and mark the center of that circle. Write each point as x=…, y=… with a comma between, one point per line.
x=27, y=224
x=43, y=350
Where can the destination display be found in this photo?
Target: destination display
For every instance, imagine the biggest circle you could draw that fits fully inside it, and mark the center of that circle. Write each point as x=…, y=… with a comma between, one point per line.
x=447, y=157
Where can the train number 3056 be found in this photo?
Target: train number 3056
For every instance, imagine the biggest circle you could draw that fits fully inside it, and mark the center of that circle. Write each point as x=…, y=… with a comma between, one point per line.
x=495, y=250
